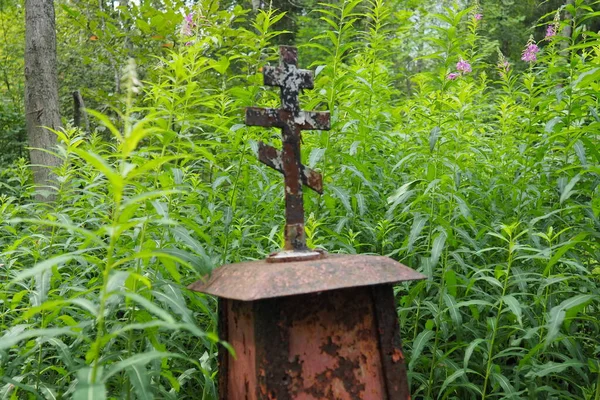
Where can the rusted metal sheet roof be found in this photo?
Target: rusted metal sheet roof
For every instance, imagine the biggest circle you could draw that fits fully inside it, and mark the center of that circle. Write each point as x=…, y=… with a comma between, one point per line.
x=257, y=280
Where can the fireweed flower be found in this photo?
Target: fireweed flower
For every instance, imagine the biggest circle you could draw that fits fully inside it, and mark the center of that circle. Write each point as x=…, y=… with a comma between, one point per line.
x=553, y=28
x=188, y=25
x=463, y=66
x=503, y=64
x=452, y=76
x=478, y=15
x=529, y=54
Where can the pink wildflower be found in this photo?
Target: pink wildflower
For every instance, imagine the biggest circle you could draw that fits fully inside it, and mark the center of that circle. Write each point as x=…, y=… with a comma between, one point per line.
x=503, y=64
x=478, y=16
x=188, y=25
x=529, y=54
x=553, y=27
x=452, y=76
x=463, y=66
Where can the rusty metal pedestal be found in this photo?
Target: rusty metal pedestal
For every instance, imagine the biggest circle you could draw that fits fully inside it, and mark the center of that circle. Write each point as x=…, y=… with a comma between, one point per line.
x=307, y=330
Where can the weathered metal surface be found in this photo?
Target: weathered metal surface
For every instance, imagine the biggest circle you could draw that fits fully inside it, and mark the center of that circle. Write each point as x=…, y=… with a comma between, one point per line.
x=390, y=343
x=240, y=381
x=273, y=158
x=223, y=355
x=261, y=279
x=289, y=256
x=291, y=120
x=317, y=347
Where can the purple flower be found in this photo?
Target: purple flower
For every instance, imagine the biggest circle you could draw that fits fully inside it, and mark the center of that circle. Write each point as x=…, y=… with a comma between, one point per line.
x=188, y=25
x=528, y=57
x=503, y=66
x=552, y=29
x=478, y=16
x=463, y=66
x=452, y=76
x=189, y=43
x=529, y=54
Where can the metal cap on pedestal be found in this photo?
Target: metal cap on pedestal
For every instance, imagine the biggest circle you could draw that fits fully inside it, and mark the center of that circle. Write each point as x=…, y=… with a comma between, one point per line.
x=257, y=280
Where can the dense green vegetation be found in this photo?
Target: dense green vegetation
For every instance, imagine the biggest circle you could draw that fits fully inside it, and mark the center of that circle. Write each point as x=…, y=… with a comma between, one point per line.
x=479, y=169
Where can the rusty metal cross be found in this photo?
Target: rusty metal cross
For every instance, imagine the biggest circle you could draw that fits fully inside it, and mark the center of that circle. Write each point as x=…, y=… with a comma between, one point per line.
x=291, y=120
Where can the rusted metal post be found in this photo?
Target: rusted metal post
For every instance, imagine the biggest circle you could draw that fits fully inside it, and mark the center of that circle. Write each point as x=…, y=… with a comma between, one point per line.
x=306, y=325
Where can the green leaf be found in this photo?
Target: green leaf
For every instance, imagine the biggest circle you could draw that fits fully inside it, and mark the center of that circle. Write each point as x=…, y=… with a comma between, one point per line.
x=315, y=156
x=106, y=122
x=550, y=368
x=555, y=320
x=137, y=360
x=415, y=230
x=85, y=389
x=14, y=336
x=139, y=378
x=43, y=266
x=557, y=314
x=580, y=151
x=171, y=296
x=438, y=246
x=586, y=78
x=514, y=306
x=563, y=249
x=433, y=137
x=102, y=166
x=457, y=374
x=568, y=190
x=149, y=306
x=342, y=195
x=552, y=123
x=469, y=351
x=42, y=286
x=450, y=278
x=504, y=383
x=402, y=192
x=420, y=342
x=454, y=310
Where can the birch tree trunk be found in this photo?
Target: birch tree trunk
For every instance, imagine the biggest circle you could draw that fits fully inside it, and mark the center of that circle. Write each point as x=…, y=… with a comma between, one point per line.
x=41, y=91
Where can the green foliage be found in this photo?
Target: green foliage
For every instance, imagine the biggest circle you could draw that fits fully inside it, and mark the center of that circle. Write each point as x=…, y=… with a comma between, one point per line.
x=487, y=183
x=12, y=134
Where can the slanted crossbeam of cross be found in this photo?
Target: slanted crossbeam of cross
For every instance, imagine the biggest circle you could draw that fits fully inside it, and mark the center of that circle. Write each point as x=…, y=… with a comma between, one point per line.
x=291, y=120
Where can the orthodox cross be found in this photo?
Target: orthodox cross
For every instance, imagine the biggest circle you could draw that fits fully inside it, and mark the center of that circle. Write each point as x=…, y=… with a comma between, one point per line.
x=291, y=120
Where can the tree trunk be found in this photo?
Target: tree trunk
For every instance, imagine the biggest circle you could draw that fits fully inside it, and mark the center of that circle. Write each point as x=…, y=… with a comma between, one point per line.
x=41, y=92
x=567, y=31
x=79, y=113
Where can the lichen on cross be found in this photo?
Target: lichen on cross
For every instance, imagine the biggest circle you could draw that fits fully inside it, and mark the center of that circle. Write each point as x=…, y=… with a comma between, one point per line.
x=292, y=121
